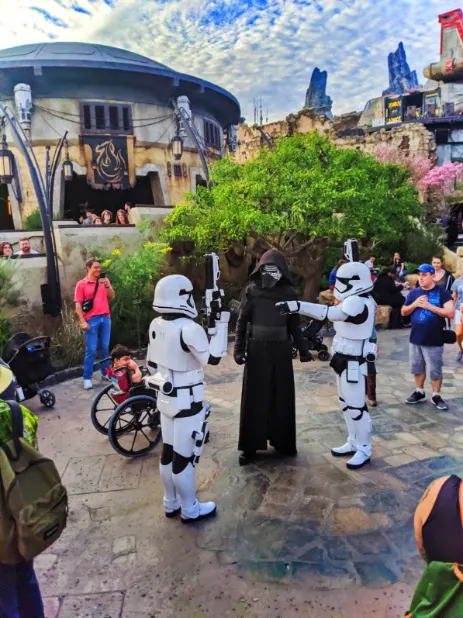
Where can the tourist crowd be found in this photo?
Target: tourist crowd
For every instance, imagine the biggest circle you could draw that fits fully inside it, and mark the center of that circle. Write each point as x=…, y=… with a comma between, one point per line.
x=89, y=217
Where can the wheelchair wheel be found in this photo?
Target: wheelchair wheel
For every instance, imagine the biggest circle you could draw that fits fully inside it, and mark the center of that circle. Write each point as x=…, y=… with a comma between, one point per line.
x=103, y=407
x=135, y=426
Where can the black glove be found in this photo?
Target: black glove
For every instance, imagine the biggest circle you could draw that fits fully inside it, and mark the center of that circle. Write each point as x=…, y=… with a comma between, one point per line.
x=240, y=358
x=305, y=357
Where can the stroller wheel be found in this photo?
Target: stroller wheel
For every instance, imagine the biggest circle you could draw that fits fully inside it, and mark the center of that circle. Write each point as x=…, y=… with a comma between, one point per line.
x=294, y=352
x=310, y=344
x=47, y=399
x=324, y=355
x=323, y=347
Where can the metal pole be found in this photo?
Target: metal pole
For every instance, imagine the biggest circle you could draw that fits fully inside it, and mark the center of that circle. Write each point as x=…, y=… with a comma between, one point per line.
x=37, y=181
x=192, y=135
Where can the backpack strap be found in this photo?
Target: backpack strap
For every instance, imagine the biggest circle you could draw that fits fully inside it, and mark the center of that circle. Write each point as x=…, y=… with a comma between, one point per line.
x=17, y=419
x=17, y=423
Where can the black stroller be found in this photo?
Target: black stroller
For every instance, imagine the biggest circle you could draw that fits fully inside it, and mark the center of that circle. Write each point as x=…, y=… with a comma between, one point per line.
x=29, y=359
x=311, y=332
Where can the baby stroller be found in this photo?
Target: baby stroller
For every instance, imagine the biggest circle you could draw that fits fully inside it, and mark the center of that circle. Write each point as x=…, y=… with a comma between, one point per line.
x=28, y=358
x=314, y=339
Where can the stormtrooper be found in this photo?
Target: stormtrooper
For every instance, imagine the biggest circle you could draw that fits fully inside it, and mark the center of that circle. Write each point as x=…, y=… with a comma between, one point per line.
x=353, y=320
x=178, y=350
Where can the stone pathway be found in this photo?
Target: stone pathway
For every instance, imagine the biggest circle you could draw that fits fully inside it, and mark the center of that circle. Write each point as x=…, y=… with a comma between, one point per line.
x=293, y=537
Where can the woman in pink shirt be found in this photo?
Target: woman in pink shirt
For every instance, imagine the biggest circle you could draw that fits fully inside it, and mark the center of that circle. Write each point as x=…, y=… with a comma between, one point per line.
x=96, y=321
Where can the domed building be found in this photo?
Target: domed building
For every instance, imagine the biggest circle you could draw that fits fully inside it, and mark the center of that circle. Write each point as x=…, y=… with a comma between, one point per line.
x=117, y=108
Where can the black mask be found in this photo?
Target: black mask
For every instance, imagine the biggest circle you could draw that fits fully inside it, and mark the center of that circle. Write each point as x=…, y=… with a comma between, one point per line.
x=270, y=276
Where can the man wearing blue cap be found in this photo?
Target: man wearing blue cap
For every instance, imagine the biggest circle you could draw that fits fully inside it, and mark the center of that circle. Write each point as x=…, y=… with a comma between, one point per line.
x=429, y=305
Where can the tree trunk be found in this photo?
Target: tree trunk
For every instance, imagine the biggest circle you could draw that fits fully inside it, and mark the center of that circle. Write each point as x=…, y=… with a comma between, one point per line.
x=312, y=286
x=313, y=270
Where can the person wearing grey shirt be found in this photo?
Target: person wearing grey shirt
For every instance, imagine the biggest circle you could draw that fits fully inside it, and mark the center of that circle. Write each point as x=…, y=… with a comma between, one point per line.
x=457, y=292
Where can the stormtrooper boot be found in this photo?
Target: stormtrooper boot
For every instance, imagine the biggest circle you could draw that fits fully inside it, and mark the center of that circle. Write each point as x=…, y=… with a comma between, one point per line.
x=171, y=499
x=171, y=507
x=199, y=510
x=349, y=447
x=362, y=443
x=192, y=509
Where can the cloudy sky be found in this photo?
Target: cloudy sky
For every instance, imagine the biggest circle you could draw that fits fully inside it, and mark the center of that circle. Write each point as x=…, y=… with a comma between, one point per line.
x=253, y=48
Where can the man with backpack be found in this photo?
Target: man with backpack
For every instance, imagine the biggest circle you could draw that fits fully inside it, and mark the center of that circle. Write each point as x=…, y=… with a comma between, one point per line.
x=33, y=511
x=429, y=306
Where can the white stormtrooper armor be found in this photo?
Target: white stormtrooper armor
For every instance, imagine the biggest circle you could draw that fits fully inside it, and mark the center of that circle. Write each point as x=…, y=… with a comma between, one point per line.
x=353, y=320
x=178, y=349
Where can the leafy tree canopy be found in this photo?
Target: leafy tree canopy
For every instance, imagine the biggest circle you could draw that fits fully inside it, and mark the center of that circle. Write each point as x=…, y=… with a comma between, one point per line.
x=300, y=197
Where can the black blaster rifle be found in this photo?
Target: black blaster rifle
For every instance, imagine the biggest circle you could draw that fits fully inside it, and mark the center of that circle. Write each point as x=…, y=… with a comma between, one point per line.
x=212, y=300
x=351, y=250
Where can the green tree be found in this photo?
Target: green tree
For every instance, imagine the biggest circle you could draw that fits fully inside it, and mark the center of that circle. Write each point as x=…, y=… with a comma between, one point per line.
x=302, y=197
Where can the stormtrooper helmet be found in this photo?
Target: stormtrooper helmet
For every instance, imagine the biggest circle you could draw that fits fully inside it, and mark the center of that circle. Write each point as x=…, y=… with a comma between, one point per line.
x=174, y=294
x=352, y=279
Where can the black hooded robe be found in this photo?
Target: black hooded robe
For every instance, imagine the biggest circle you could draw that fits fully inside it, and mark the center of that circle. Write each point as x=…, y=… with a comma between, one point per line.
x=268, y=410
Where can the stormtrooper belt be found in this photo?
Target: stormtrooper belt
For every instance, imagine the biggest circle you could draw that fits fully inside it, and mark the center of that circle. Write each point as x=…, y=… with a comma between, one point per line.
x=339, y=362
x=172, y=391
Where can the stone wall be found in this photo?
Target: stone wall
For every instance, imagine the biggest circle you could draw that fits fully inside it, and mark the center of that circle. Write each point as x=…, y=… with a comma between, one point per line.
x=413, y=137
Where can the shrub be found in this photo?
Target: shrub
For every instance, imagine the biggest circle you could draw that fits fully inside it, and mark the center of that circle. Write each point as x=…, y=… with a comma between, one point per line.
x=133, y=275
x=33, y=221
x=68, y=343
x=6, y=331
x=9, y=298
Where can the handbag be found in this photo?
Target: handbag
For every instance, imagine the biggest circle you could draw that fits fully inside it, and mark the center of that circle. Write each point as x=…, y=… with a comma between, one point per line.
x=449, y=336
x=87, y=305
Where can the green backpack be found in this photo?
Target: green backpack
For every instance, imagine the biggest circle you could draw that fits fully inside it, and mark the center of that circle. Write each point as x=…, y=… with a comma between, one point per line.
x=33, y=502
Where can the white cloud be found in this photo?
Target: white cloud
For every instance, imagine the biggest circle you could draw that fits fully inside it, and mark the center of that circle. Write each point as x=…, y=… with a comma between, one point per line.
x=252, y=48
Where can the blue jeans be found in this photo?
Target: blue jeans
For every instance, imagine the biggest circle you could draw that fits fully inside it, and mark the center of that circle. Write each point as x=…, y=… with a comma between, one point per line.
x=97, y=337
x=19, y=592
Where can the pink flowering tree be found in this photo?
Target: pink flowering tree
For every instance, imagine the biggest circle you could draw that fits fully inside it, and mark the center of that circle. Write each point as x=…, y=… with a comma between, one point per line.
x=432, y=182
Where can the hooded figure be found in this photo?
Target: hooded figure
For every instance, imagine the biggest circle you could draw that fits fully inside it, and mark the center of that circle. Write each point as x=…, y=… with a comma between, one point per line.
x=263, y=342
x=439, y=535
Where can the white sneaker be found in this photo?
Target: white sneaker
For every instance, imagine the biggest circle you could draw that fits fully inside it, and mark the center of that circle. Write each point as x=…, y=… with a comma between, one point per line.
x=346, y=449
x=88, y=385
x=199, y=510
x=359, y=460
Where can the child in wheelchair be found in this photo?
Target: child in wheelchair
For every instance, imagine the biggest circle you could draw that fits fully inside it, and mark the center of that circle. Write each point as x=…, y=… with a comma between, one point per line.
x=125, y=374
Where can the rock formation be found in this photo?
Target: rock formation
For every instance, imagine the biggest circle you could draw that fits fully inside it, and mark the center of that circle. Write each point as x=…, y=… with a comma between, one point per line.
x=316, y=99
x=401, y=77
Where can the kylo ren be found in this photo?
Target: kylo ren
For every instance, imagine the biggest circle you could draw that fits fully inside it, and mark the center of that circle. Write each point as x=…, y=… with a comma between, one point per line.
x=263, y=342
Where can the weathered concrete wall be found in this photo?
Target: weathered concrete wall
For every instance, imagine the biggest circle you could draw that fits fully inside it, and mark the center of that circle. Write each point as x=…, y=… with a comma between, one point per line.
x=414, y=138
x=74, y=245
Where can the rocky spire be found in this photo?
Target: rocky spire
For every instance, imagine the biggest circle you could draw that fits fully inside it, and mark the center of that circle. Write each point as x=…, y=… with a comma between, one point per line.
x=401, y=77
x=316, y=98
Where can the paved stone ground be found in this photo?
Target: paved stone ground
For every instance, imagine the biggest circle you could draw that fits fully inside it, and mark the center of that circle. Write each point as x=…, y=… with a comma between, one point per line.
x=293, y=536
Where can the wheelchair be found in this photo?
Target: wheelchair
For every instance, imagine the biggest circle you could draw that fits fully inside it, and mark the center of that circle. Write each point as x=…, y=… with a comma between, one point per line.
x=128, y=417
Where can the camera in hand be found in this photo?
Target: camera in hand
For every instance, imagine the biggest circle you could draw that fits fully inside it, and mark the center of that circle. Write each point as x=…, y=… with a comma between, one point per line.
x=102, y=276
